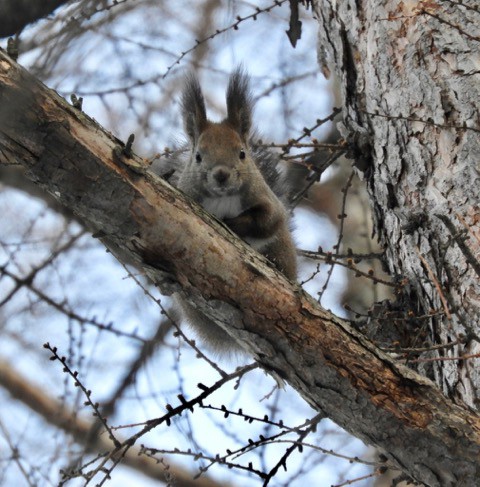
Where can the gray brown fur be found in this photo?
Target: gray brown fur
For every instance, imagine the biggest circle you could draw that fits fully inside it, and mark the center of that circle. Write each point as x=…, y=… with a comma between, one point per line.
x=222, y=176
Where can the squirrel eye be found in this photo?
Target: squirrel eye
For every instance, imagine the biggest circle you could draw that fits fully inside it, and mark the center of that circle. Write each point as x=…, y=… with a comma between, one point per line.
x=198, y=157
x=242, y=154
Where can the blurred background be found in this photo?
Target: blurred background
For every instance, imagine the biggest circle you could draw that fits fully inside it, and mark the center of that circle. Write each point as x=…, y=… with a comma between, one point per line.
x=127, y=59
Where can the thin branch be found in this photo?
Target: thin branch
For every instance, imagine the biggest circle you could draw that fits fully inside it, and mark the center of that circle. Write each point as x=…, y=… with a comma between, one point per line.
x=57, y=415
x=62, y=308
x=436, y=284
x=296, y=446
x=460, y=241
x=444, y=359
x=198, y=42
x=28, y=279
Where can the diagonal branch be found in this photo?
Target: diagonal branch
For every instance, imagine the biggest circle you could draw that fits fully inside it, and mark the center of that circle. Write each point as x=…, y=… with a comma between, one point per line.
x=140, y=217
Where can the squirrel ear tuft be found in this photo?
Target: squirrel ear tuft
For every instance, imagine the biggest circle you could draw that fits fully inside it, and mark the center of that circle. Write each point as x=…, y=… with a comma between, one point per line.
x=193, y=108
x=239, y=102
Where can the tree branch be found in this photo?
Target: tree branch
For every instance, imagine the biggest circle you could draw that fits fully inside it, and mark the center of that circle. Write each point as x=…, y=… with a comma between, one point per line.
x=56, y=414
x=141, y=217
x=16, y=14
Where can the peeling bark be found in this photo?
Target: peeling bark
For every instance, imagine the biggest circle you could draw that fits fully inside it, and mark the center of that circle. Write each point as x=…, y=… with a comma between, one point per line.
x=410, y=75
x=140, y=217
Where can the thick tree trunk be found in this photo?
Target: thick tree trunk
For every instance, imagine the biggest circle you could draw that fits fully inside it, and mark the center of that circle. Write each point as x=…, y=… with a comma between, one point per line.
x=141, y=217
x=411, y=85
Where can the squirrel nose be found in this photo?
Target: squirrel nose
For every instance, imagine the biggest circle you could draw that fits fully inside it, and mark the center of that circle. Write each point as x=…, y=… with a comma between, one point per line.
x=221, y=176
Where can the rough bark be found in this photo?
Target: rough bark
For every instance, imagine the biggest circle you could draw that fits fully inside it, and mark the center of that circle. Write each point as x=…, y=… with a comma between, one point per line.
x=141, y=217
x=411, y=87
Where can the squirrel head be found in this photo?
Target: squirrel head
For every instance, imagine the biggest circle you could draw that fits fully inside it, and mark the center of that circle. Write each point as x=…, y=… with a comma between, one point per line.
x=220, y=156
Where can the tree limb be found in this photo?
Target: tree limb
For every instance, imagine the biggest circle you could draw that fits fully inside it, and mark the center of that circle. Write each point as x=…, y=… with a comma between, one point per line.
x=140, y=217
x=16, y=14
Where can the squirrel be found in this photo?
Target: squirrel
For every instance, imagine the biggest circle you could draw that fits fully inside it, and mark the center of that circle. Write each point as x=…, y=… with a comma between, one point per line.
x=227, y=176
